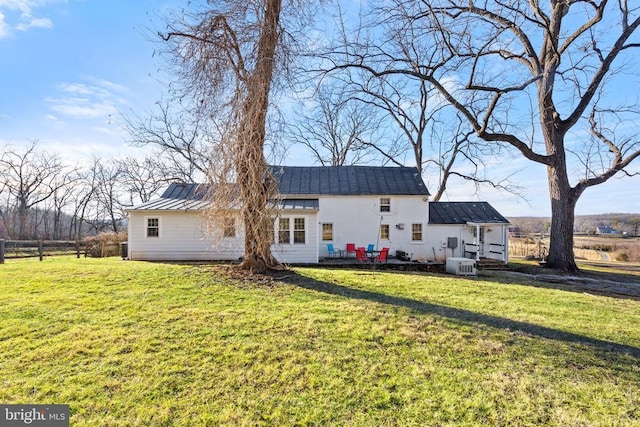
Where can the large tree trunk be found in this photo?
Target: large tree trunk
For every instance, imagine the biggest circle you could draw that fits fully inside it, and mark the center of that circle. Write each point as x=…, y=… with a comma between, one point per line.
x=563, y=203
x=256, y=184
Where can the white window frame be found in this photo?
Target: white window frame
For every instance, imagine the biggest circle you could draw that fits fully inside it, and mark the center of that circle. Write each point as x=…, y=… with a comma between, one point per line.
x=146, y=227
x=388, y=232
x=322, y=225
x=421, y=232
x=279, y=231
x=385, y=202
x=304, y=230
x=292, y=230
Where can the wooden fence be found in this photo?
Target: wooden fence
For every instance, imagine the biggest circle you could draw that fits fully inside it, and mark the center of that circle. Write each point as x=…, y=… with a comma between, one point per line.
x=522, y=247
x=40, y=248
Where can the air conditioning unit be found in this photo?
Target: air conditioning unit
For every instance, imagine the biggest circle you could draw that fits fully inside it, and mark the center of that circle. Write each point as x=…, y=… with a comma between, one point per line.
x=461, y=266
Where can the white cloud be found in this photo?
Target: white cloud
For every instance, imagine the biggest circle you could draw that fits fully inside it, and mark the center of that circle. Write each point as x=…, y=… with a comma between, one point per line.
x=81, y=108
x=20, y=15
x=81, y=89
x=87, y=101
x=115, y=87
x=35, y=23
x=4, y=31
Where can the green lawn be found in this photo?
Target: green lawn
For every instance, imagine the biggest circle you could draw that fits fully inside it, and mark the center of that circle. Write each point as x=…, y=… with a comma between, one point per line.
x=130, y=343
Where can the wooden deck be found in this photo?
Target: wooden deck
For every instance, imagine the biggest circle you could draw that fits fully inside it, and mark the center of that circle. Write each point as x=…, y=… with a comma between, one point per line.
x=399, y=265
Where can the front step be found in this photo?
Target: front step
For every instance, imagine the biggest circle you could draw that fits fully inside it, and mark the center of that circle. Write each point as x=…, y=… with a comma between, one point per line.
x=491, y=264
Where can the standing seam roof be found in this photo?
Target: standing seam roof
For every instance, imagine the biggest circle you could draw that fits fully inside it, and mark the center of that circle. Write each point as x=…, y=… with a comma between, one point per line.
x=464, y=212
x=307, y=181
x=349, y=180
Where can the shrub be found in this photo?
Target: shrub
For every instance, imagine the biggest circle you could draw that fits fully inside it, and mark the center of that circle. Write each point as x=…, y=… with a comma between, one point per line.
x=624, y=257
x=105, y=244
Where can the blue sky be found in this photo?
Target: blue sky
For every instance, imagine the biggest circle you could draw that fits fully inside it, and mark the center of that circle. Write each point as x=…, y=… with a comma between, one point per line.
x=69, y=69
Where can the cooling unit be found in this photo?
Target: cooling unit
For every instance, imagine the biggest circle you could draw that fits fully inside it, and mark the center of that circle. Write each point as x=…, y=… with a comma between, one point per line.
x=461, y=266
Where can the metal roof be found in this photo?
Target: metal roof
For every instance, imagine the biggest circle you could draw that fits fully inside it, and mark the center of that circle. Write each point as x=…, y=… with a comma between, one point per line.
x=185, y=197
x=306, y=181
x=349, y=180
x=463, y=213
x=299, y=204
x=178, y=197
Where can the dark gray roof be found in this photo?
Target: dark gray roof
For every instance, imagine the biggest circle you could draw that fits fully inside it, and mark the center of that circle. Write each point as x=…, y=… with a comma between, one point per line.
x=192, y=197
x=300, y=204
x=349, y=180
x=178, y=197
x=307, y=181
x=464, y=212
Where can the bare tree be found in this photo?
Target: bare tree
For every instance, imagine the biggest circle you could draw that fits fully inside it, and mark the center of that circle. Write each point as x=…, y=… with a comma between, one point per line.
x=525, y=74
x=442, y=143
x=62, y=198
x=227, y=58
x=85, y=191
x=108, y=194
x=141, y=179
x=338, y=130
x=29, y=177
x=634, y=222
x=182, y=141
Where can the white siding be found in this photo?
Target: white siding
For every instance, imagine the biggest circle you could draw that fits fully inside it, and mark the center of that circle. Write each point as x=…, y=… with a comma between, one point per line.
x=493, y=246
x=182, y=237
x=357, y=219
x=297, y=253
x=437, y=236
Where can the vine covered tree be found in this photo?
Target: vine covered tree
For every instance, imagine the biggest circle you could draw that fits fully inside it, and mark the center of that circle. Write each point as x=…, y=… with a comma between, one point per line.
x=228, y=56
x=539, y=77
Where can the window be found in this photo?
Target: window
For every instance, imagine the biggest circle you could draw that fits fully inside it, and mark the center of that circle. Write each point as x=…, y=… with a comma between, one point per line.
x=283, y=231
x=475, y=234
x=327, y=232
x=298, y=230
x=286, y=235
x=153, y=227
x=384, y=231
x=416, y=232
x=229, y=227
x=385, y=204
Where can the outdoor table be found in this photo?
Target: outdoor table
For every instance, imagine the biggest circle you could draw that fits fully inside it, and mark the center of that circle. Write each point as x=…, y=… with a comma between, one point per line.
x=373, y=255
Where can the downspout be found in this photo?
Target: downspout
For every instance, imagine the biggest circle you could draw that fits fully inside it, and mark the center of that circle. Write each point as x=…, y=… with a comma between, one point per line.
x=505, y=237
x=318, y=234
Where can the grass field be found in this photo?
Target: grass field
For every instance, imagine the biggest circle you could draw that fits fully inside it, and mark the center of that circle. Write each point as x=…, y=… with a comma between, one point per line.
x=149, y=344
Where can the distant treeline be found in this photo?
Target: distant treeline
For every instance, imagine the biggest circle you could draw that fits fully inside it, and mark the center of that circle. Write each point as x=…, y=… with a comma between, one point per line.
x=43, y=197
x=625, y=223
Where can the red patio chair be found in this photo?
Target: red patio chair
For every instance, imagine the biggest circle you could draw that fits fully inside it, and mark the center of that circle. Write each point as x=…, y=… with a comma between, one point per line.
x=361, y=255
x=351, y=249
x=382, y=257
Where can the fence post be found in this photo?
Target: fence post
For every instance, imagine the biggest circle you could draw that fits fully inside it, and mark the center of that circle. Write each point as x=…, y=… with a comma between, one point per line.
x=78, y=249
x=1, y=251
x=40, y=251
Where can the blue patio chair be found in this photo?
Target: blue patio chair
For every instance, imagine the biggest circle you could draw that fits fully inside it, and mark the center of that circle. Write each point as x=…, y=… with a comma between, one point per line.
x=371, y=247
x=332, y=252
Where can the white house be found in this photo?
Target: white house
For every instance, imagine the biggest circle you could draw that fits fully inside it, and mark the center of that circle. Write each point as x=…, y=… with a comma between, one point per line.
x=604, y=229
x=467, y=230
x=320, y=205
